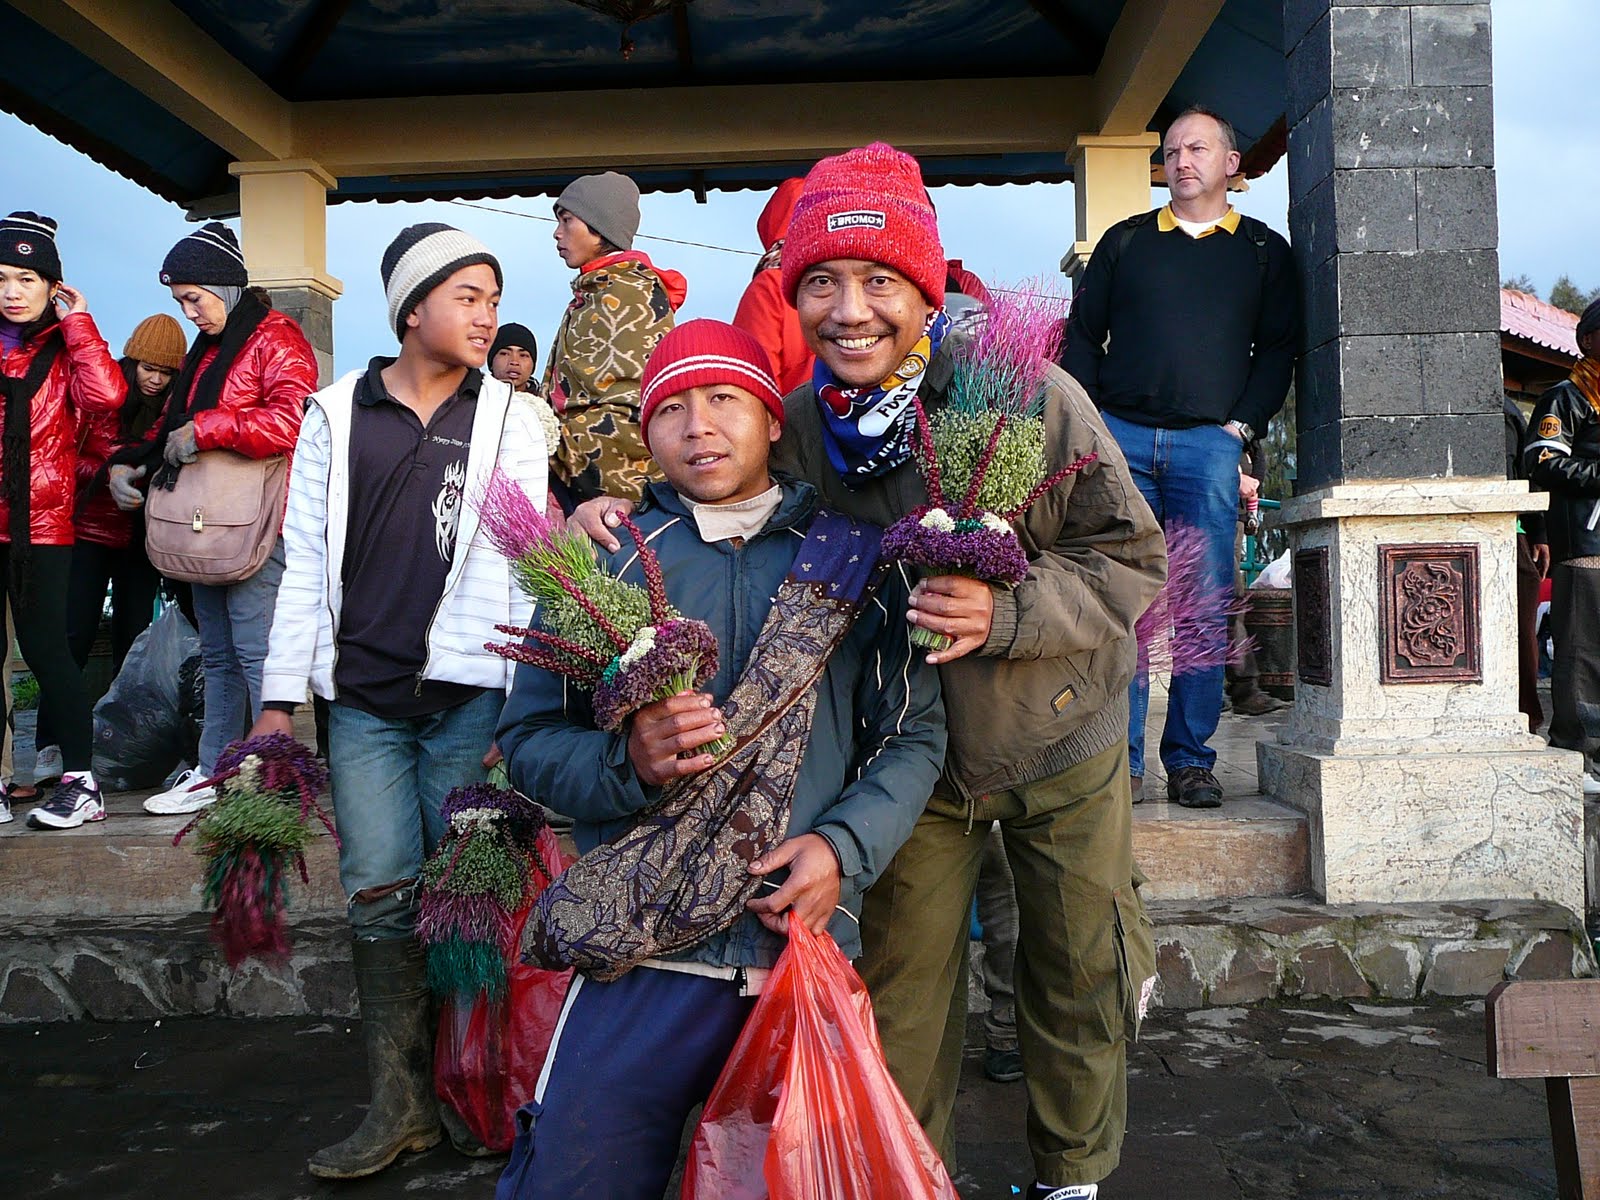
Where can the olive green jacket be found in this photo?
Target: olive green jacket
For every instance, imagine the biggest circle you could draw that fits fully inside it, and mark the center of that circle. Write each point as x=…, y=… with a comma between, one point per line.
x=1049, y=688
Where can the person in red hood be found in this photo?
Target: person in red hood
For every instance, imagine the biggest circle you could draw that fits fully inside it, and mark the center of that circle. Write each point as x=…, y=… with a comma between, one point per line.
x=55, y=369
x=243, y=387
x=763, y=311
x=622, y=305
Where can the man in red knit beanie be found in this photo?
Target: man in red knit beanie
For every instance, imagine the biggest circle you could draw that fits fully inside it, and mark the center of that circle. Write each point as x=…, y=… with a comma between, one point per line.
x=1035, y=685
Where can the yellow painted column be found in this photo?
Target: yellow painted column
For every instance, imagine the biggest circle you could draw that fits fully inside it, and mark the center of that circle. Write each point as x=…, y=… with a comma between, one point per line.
x=1111, y=181
x=283, y=209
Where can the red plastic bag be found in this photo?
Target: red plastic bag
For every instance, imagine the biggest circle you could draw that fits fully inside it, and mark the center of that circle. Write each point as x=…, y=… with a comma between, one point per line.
x=487, y=1057
x=806, y=1108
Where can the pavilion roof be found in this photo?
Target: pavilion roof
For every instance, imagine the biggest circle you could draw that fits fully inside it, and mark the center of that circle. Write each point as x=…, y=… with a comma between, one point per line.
x=98, y=74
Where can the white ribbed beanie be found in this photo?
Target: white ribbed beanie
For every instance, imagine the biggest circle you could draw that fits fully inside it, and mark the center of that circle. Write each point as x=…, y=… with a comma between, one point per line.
x=420, y=259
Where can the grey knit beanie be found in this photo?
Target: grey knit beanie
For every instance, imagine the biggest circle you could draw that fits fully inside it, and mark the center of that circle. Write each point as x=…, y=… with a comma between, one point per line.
x=607, y=204
x=422, y=257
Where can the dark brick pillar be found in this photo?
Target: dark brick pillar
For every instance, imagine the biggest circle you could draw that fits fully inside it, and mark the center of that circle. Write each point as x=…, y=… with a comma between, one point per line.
x=1392, y=212
x=314, y=310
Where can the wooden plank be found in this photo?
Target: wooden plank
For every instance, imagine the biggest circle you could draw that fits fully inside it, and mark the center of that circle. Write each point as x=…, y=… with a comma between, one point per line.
x=1575, y=1136
x=1544, y=1029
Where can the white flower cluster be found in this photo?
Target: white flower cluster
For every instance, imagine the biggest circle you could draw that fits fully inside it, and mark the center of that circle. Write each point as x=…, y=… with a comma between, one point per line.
x=250, y=773
x=995, y=523
x=475, y=820
x=643, y=642
x=937, y=518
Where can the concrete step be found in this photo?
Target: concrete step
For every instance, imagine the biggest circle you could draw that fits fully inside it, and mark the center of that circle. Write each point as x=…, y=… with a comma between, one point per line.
x=1251, y=846
x=127, y=866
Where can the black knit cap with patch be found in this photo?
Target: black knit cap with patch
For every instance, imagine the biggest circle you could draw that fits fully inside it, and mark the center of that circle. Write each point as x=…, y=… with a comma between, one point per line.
x=209, y=255
x=29, y=240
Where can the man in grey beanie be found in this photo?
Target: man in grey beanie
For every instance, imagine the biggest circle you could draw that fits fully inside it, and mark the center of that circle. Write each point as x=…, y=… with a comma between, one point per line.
x=622, y=305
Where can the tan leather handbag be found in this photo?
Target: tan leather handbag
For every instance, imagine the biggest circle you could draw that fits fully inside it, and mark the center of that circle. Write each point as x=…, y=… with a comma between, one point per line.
x=219, y=522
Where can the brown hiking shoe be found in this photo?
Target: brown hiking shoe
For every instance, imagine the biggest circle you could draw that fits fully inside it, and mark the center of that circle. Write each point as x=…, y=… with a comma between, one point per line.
x=1136, y=786
x=1256, y=704
x=1194, y=787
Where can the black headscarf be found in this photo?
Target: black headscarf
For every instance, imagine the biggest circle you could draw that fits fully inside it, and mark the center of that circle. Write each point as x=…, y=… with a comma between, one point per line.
x=16, y=443
x=189, y=395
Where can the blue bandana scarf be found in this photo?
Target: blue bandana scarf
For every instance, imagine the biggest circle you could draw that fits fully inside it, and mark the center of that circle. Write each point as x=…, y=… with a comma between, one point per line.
x=867, y=431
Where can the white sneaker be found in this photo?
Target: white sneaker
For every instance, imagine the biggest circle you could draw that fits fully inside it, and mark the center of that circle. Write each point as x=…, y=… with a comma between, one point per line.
x=70, y=805
x=1591, y=785
x=184, y=796
x=47, y=765
x=5, y=804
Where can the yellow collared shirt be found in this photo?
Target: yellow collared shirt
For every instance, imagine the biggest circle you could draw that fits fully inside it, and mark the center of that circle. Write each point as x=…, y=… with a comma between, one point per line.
x=1166, y=222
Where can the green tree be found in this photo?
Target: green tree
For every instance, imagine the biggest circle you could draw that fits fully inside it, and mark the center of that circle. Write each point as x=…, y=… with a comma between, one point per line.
x=1521, y=283
x=1568, y=295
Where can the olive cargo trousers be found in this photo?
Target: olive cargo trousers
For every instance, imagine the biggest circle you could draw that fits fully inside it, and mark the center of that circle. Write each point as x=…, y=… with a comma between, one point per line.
x=1084, y=953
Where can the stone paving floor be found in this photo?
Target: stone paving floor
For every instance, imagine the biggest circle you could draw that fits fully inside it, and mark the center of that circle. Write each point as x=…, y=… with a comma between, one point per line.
x=1330, y=1103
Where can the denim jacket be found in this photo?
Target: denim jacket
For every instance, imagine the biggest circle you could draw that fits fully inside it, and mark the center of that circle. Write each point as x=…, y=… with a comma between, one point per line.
x=878, y=735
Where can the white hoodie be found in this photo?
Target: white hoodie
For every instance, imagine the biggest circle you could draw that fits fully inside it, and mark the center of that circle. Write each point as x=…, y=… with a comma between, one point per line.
x=479, y=592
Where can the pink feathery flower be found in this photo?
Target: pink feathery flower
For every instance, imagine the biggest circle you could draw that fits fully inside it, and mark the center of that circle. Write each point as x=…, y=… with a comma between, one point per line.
x=1186, y=628
x=513, y=523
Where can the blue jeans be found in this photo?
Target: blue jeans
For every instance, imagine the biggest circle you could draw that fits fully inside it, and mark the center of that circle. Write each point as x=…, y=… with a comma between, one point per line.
x=1190, y=476
x=234, y=622
x=389, y=779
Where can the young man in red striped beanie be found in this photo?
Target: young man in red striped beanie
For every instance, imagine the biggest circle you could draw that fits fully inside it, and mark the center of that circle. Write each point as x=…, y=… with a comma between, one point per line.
x=792, y=592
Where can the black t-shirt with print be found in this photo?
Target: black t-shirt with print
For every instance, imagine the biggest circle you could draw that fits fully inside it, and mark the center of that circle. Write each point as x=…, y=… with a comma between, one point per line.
x=407, y=489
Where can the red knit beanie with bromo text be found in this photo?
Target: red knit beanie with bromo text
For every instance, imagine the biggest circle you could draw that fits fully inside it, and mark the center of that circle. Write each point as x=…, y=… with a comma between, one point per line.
x=869, y=204
x=703, y=352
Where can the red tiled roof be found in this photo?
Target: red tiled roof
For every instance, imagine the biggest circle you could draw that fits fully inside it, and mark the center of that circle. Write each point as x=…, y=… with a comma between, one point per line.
x=1531, y=319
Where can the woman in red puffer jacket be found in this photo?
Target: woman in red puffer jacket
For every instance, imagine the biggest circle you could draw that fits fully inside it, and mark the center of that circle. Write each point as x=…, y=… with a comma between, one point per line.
x=243, y=387
x=55, y=370
x=110, y=542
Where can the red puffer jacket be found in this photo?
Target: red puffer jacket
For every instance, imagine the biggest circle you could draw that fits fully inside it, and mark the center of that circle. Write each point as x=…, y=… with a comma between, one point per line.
x=264, y=394
x=84, y=379
x=98, y=519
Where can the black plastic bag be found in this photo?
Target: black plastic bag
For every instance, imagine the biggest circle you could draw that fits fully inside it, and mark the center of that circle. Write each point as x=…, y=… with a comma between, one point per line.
x=149, y=721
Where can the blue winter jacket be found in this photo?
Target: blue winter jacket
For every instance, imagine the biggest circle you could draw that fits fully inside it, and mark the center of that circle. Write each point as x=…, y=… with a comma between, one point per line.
x=878, y=737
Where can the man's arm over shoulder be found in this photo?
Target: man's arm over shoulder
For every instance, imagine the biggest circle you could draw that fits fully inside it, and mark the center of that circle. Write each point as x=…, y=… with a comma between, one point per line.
x=1547, y=455
x=1277, y=339
x=1101, y=556
x=899, y=750
x=303, y=592
x=554, y=754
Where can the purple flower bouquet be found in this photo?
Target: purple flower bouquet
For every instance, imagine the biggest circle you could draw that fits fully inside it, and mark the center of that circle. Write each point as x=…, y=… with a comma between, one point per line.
x=982, y=456
x=622, y=641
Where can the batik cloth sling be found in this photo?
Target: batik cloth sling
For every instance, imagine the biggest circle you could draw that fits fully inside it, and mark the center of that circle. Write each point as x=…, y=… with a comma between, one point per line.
x=681, y=873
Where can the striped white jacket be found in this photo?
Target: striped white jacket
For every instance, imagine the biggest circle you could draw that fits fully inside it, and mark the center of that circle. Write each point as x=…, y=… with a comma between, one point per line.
x=479, y=592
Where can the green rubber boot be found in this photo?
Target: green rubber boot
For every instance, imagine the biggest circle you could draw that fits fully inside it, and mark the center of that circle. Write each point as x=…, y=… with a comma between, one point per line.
x=403, y=1116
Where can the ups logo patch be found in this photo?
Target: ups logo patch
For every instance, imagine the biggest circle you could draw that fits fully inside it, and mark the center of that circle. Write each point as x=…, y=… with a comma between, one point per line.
x=1550, y=426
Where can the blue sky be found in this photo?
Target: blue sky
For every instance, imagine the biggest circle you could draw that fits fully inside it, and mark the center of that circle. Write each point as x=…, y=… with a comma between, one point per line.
x=114, y=233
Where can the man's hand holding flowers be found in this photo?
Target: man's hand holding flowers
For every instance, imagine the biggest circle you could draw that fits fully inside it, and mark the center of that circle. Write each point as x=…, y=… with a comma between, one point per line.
x=663, y=732
x=957, y=606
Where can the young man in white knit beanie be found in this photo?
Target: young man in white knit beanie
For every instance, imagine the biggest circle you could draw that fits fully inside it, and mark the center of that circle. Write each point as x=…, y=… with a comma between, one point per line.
x=389, y=593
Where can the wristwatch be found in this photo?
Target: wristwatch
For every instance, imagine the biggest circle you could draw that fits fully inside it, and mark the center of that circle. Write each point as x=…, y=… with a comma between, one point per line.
x=1246, y=434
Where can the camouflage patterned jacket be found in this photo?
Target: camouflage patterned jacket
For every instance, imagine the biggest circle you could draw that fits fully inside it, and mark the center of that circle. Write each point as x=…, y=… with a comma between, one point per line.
x=622, y=305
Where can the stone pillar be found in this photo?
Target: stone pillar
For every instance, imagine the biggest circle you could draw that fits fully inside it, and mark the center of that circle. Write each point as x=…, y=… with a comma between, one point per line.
x=283, y=207
x=1406, y=747
x=1110, y=181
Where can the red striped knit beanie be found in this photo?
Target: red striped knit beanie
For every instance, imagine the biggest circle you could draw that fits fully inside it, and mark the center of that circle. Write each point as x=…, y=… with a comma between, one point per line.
x=869, y=203
x=703, y=352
